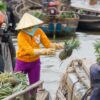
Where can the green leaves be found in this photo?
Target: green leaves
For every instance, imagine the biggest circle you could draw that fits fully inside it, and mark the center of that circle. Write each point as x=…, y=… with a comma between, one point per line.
x=71, y=44
x=11, y=83
x=97, y=49
x=2, y=6
x=39, y=15
x=69, y=14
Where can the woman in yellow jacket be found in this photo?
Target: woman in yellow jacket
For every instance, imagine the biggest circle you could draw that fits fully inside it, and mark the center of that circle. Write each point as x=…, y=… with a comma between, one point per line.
x=28, y=54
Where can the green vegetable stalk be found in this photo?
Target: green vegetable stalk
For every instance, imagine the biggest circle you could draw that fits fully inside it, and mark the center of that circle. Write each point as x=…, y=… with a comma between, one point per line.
x=2, y=6
x=11, y=83
x=97, y=50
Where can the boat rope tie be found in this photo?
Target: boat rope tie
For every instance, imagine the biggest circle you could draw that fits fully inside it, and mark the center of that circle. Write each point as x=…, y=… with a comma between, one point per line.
x=87, y=93
x=73, y=88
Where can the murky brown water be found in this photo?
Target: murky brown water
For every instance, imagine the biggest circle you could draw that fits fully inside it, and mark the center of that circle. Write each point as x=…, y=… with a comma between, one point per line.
x=51, y=67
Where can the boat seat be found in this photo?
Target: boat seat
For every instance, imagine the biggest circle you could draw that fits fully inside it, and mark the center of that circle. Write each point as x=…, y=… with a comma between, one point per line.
x=51, y=27
x=58, y=28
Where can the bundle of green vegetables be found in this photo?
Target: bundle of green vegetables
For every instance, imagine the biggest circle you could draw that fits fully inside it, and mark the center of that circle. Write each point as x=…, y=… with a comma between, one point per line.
x=97, y=50
x=69, y=46
x=39, y=15
x=2, y=5
x=69, y=14
x=11, y=83
x=5, y=90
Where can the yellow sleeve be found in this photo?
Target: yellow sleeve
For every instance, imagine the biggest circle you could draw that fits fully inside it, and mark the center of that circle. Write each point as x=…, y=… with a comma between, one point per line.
x=44, y=39
x=24, y=44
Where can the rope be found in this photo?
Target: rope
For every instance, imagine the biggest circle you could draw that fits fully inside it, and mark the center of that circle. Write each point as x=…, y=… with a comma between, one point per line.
x=86, y=94
x=73, y=89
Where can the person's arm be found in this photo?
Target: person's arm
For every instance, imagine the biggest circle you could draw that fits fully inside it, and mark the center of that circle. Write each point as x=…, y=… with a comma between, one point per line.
x=23, y=43
x=49, y=51
x=47, y=43
x=57, y=45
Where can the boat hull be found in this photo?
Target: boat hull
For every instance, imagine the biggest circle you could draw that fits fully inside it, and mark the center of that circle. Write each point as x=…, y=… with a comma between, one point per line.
x=89, y=22
x=94, y=26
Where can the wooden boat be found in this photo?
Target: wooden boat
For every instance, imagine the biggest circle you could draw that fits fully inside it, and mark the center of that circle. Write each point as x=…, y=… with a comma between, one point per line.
x=89, y=22
x=89, y=16
x=61, y=26
x=75, y=83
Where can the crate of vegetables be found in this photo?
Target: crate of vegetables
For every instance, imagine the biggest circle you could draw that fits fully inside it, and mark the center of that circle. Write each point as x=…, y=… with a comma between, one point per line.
x=42, y=16
x=15, y=86
x=68, y=16
x=69, y=20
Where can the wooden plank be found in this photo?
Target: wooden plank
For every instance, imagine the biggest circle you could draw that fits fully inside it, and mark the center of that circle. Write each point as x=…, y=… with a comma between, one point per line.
x=79, y=88
x=89, y=20
x=75, y=81
x=82, y=75
x=60, y=95
x=78, y=79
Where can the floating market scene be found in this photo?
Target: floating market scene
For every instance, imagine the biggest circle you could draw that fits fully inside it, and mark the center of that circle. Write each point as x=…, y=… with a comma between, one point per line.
x=49, y=49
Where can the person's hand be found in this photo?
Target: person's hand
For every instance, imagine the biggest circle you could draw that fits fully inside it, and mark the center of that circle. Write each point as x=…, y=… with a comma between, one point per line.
x=49, y=51
x=59, y=46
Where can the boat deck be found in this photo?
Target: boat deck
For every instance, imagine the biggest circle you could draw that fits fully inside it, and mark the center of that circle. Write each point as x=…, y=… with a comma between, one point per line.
x=84, y=4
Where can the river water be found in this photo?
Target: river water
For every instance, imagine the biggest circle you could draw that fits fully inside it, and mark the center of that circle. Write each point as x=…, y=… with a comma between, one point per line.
x=52, y=68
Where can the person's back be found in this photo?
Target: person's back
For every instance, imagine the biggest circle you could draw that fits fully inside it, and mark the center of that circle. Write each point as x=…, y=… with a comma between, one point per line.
x=95, y=81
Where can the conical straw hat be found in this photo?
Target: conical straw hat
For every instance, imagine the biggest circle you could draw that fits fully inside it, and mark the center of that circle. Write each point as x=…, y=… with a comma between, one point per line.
x=28, y=21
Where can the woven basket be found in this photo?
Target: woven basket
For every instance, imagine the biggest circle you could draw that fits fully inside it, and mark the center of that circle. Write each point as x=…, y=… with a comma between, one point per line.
x=69, y=24
x=69, y=20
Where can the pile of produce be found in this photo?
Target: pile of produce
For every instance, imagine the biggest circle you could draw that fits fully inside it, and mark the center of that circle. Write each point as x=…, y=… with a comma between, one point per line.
x=11, y=83
x=97, y=50
x=81, y=11
x=2, y=6
x=67, y=14
x=39, y=15
x=69, y=46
